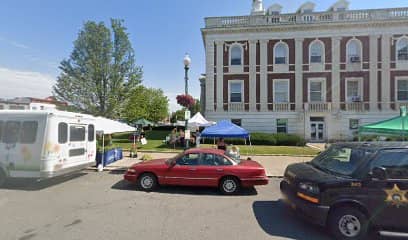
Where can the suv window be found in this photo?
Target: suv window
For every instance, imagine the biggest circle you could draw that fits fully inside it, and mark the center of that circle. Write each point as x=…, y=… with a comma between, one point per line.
x=395, y=161
x=209, y=159
x=188, y=159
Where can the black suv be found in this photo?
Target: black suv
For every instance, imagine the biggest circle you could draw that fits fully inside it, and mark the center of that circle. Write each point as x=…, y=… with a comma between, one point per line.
x=352, y=188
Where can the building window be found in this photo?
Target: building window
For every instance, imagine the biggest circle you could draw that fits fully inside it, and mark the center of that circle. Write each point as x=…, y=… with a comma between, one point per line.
x=354, y=124
x=402, y=49
x=402, y=89
x=236, y=55
x=316, y=52
x=281, y=53
x=282, y=125
x=281, y=91
x=237, y=122
x=236, y=89
x=316, y=90
x=353, y=89
x=354, y=51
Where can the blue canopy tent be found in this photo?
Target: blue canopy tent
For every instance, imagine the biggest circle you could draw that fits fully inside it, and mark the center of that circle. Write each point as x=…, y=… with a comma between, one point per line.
x=225, y=129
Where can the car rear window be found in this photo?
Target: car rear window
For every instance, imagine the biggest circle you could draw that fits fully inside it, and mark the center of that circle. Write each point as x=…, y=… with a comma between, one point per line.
x=76, y=133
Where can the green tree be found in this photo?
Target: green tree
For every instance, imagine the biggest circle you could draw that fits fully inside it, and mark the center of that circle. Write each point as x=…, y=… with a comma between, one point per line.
x=177, y=116
x=100, y=72
x=195, y=108
x=148, y=103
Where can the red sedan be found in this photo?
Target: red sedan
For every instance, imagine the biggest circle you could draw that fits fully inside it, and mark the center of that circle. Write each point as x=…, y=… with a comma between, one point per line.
x=198, y=167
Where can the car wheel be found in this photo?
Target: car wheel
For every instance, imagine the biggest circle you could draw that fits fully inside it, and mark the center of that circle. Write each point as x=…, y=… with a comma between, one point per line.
x=147, y=182
x=348, y=223
x=229, y=185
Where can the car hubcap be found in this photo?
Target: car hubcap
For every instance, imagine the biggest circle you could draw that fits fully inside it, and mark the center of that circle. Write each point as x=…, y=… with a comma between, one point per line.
x=147, y=182
x=349, y=226
x=229, y=186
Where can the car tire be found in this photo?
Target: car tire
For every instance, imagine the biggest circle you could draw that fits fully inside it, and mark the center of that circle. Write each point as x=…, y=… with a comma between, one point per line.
x=147, y=182
x=229, y=185
x=348, y=223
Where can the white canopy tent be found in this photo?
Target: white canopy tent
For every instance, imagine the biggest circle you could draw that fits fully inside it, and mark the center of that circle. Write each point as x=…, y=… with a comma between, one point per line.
x=107, y=126
x=199, y=121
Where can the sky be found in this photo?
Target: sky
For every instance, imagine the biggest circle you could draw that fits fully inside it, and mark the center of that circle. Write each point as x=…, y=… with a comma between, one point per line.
x=35, y=36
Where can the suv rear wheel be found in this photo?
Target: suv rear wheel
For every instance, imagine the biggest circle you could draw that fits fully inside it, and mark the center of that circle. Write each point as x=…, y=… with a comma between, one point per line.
x=348, y=223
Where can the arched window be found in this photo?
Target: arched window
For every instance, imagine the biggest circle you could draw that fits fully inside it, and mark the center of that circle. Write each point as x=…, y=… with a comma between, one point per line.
x=402, y=49
x=316, y=52
x=236, y=55
x=354, y=51
x=281, y=53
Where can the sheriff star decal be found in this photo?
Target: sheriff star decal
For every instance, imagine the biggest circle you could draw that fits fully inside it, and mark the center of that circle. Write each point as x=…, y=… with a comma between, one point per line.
x=396, y=197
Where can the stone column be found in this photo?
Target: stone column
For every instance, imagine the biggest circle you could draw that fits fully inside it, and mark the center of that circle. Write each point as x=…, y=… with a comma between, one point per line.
x=385, y=73
x=299, y=74
x=209, y=83
x=335, y=73
x=252, y=75
x=202, y=94
x=264, y=75
x=220, y=75
x=373, y=72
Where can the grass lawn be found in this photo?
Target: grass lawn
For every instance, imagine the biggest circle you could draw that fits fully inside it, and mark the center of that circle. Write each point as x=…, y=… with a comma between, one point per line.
x=155, y=143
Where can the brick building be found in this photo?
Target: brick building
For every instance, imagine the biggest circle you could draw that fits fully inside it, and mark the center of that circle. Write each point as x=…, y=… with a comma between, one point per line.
x=316, y=74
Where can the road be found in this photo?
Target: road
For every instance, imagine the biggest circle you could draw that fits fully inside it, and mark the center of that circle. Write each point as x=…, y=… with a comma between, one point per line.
x=92, y=205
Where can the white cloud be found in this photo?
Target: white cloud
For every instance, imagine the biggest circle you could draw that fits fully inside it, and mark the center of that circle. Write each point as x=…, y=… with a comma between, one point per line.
x=14, y=43
x=14, y=83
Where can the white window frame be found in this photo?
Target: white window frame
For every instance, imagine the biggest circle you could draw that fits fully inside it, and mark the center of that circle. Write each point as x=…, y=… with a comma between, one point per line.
x=286, y=125
x=396, y=49
x=360, y=88
x=348, y=52
x=230, y=55
x=323, y=81
x=323, y=54
x=405, y=78
x=242, y=90
x=287, y=53
x=275, y=81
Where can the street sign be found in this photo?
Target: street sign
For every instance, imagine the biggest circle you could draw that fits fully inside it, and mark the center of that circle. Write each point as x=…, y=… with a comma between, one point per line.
x=187, y=115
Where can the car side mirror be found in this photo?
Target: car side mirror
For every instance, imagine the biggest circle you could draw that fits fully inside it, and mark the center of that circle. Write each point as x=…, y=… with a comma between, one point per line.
x=379, y=173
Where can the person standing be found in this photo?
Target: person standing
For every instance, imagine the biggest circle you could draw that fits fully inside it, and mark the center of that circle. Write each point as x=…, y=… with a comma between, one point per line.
x=221, y=144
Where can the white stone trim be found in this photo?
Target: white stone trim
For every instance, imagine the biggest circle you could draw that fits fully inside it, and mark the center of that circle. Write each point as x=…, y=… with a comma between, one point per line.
x=373, y=77
x=336, y=72
x=385, y=73
x=281, y=67
x=275, y=81
x=299, y=74
x=401, y=64
x=230, y=50
x=264, y=75
x=220, y=76
x=209, y=82
x=323, y=81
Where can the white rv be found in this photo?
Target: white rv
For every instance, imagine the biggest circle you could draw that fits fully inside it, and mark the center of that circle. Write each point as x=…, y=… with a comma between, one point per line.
x=44, y=144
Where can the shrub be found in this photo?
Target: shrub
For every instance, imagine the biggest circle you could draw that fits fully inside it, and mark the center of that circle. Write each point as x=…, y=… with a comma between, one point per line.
x=276, y=139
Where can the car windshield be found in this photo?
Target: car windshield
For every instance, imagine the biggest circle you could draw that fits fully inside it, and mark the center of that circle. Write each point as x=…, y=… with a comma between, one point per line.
x=341, y=160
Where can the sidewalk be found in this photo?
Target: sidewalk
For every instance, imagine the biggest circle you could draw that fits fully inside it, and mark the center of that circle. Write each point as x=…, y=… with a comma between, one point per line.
x=274, y=165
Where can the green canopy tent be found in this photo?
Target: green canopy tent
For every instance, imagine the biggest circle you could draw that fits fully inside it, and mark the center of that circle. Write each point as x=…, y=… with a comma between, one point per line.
x=397, y=126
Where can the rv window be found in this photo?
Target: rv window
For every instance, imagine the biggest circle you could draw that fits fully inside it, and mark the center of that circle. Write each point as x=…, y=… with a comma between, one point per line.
x=62, y=133
x=28, y=132
x=91, y=133
x=11, y=132
x=76, y=133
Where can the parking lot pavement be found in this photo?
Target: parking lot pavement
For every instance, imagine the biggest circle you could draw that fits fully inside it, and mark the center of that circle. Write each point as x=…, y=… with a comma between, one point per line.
x=94, y=205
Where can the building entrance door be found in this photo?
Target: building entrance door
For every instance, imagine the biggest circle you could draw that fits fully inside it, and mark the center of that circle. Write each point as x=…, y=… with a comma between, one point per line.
x=317, y=129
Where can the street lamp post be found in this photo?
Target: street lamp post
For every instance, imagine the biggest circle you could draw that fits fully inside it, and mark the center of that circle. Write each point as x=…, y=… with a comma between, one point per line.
x=187, y=62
